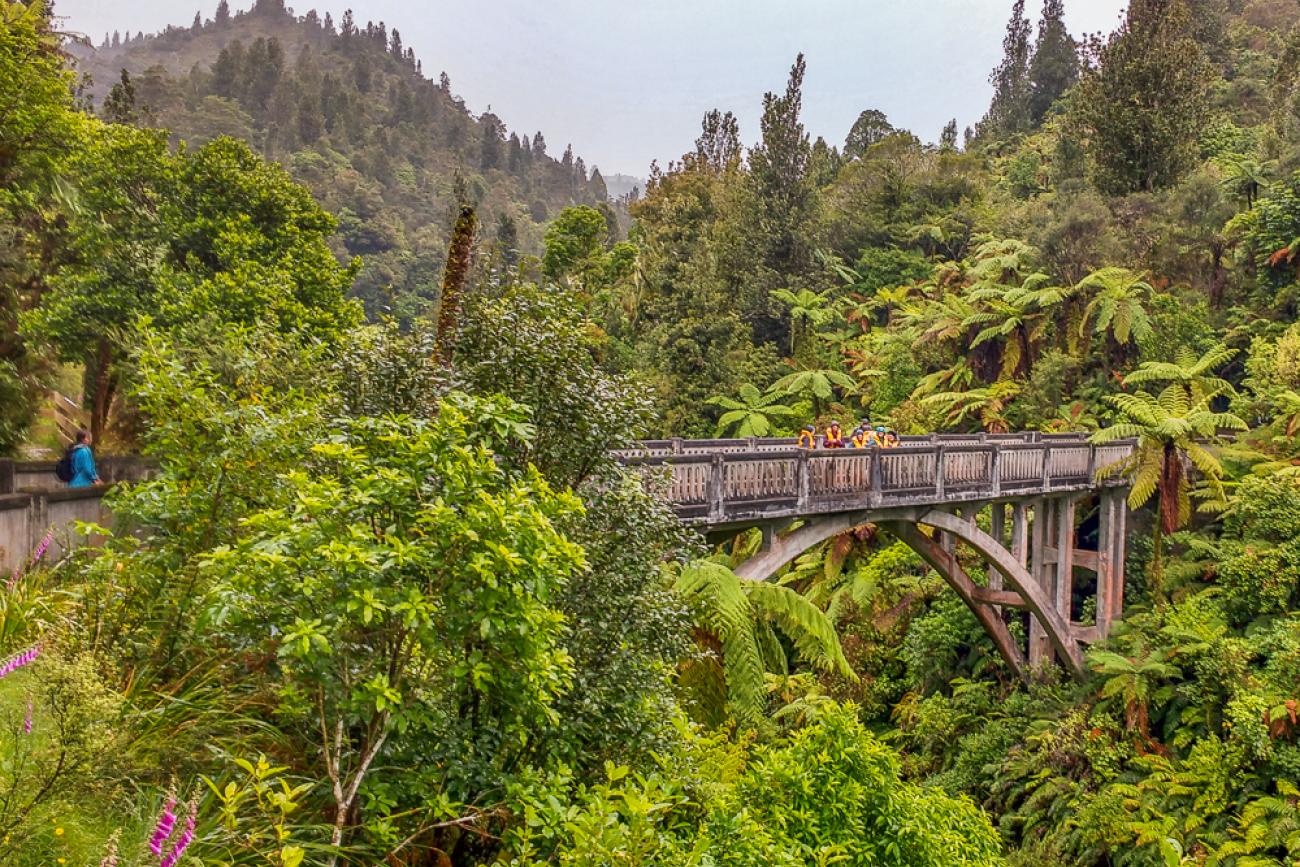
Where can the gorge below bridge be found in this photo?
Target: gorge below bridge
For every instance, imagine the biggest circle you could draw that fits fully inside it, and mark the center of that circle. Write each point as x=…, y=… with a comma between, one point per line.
x=1021, y=504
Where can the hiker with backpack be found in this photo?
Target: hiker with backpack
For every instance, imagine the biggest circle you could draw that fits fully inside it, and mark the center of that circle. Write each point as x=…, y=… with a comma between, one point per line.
x=77, y=466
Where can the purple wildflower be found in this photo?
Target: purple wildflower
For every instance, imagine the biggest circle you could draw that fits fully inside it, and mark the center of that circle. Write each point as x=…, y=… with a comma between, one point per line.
x=183, y=842
x=42, y=547
x=163, y=830
x=27, y=657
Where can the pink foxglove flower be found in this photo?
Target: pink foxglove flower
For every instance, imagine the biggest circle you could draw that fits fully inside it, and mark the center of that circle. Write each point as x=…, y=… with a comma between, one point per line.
x=42, y=547
x=183, y=842
x=27, y=657
x=163, y=830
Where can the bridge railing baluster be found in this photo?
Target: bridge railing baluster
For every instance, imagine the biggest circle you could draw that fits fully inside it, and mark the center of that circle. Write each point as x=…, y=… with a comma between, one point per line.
x=747, y=479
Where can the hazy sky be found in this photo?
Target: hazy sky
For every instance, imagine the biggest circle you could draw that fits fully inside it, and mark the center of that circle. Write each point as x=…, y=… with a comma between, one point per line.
x=626, y=82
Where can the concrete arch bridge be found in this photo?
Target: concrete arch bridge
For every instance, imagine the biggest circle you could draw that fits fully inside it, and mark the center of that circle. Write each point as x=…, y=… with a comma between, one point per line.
x=931, y=493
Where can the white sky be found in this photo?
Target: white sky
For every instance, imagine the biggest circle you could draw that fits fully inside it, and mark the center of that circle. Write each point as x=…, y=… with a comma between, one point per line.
x=627, y=82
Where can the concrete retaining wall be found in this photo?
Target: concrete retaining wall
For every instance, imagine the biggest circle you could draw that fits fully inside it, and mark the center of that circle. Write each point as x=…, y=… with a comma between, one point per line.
x=19, y=476
x=26, y=518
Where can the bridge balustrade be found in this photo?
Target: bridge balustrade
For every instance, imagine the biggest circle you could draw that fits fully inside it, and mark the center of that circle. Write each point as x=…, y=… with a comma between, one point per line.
x=721, y=481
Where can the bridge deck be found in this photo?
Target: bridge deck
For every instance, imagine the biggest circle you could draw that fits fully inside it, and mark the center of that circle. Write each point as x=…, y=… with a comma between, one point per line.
x=725, y=483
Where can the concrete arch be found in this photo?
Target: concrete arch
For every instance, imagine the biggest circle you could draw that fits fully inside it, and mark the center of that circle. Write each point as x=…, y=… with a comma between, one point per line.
x=779, y=551
x=947, y=566
x=1056, y=627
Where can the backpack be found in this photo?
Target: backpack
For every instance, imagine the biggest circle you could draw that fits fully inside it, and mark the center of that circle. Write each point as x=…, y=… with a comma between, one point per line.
x=63, y=469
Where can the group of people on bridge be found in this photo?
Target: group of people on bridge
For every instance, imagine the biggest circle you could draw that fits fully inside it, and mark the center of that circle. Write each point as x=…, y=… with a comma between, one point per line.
x=863, y=436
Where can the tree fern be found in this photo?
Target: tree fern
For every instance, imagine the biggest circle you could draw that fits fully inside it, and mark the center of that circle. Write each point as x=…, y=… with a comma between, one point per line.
x=1192, y=373
x=741, y=615
x=1118, y=304
x=725, y=611
x=753, y=415
x=805, y=624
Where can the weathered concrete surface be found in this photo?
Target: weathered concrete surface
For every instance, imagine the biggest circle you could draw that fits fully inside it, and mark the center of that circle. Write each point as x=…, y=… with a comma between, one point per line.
x=930, y=493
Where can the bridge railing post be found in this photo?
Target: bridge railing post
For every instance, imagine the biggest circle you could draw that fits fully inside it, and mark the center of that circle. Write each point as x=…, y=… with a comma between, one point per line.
x=877, y=478
x=938, y=472
x=995, y=471
x=1047, y=468
x=717, y=489
x=802, y=479
x=677, y=445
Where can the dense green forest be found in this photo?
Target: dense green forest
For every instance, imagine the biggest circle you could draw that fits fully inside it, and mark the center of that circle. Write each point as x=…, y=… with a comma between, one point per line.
x=389, y=601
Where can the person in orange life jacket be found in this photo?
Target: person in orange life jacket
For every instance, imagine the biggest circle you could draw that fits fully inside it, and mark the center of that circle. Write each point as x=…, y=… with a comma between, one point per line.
x=891, y=440
x=808, y=437
x=834, y=436
x=859, y=438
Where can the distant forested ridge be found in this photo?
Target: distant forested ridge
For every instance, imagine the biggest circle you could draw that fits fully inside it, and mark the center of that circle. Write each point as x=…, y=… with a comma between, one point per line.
x=382, y=143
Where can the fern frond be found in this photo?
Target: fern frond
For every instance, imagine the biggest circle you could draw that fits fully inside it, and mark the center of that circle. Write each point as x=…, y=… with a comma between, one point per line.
x=807, y=626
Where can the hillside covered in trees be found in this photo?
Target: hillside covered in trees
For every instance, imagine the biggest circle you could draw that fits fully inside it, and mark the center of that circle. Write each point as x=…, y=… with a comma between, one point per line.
x=388, y=598
x=385, y=146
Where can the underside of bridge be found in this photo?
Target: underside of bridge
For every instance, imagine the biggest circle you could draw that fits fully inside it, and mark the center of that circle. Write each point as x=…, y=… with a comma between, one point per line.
x=1028, y=547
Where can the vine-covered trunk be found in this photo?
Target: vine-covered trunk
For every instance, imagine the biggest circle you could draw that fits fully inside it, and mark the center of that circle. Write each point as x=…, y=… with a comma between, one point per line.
x=459, y=255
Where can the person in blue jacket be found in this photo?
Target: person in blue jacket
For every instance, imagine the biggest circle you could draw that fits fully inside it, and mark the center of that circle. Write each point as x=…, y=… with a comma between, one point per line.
x=84, y=473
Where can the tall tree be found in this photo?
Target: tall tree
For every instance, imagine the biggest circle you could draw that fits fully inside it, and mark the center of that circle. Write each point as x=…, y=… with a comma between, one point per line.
x=507, y=239
x=870, y=127
x=214, y=235
x=599, y=192
x=223, y=12
x=1143, y=100
x=228, y=70
x=718, y=146
x=948, y=139
x=120, y=105
x=783, y=195
x=39, y=131
x=1009, y=110
x=490, y=147
x=1054, y=68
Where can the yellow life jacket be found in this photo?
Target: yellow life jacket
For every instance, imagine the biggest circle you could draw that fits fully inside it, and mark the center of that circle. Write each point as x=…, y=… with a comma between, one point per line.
x=859, y=440
x=834, y=438
x=807, y=439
